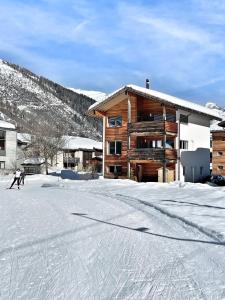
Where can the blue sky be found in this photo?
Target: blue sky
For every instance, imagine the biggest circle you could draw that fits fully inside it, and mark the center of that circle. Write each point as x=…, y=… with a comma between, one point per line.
x=102, y=45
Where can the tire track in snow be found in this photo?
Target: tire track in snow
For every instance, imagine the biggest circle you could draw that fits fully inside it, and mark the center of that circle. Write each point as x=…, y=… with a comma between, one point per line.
x=210, y=233
x=191, y=281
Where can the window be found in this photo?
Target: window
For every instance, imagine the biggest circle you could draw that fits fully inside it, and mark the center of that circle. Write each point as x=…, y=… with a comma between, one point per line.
x=2, y=142
x=115, y=169
x=169, y=144
x=183, y=119
x=2, y=165
x=146, y=143
x=143, y=116
x=115, y=147
x=115, y=121
x=183, y=144
x=220, y=167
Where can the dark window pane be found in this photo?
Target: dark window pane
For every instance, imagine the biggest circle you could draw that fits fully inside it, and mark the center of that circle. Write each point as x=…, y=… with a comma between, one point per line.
x=2, y=135
x=183, y=119
x=115, y=121
x=2, y=145
x=111, y=169
x=118, y=169
x=111, y=122
x=112, y=148
x=119, y=121
x=118, y=147
x=170, y=144
x=115, y=169
x=183, y=144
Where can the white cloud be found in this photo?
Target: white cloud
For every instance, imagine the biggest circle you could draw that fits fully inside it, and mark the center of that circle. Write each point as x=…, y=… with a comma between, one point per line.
x=171, y=44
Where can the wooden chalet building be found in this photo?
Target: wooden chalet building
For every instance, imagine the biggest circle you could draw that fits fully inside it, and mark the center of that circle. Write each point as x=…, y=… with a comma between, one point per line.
x=151, y=136
x=218, y=150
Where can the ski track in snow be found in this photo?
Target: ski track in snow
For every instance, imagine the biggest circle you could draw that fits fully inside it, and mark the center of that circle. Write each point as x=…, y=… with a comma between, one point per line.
x=46, y=252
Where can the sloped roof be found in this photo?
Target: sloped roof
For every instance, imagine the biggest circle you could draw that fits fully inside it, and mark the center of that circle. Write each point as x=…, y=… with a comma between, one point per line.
x=33, y=161
x=158, y=96
x=24, y=137
x=77, y=142
x=6, y=125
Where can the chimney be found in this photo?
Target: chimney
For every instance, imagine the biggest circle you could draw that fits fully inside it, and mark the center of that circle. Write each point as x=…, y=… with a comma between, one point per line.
x=147, y=83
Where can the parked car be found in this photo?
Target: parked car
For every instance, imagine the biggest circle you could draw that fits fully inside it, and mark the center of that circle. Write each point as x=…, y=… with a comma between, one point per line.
x=218, y=180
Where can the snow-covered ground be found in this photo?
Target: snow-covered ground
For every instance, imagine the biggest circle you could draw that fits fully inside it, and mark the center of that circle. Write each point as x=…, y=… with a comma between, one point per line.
x=111, y=239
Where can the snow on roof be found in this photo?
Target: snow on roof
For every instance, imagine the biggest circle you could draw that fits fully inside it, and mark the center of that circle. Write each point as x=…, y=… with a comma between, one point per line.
x=220, y=111
x=96, y=95
x=24, y=137
x=188, y=105
x=7, y=125
x=76, y=142
x=33, y=161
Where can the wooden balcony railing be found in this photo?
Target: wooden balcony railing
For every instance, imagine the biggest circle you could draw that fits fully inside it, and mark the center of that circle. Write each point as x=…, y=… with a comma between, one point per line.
x=71, y=160
x=153, y=127
x=152, y=154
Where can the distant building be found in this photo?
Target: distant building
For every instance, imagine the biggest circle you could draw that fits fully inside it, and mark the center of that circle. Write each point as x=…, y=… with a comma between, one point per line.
x=218, y=150
x=33, y=165
x=152, y=136
x=80, y=153
x=8, y=146
x=23, y=143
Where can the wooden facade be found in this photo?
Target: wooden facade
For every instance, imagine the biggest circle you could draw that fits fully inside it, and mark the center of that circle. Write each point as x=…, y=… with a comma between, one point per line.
x=145, y=123
x=218, y=154
x=148, y=135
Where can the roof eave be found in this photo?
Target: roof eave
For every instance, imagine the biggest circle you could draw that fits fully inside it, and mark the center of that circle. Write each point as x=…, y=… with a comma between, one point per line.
x=92, y=111
x=212, y=117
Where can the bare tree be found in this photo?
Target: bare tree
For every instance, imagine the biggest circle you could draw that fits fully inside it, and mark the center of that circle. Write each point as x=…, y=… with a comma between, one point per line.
x=47, y=140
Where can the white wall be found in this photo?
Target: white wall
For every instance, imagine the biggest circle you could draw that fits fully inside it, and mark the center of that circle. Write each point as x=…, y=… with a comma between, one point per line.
x=59, y=160
x=11, y=149
x=197, y=133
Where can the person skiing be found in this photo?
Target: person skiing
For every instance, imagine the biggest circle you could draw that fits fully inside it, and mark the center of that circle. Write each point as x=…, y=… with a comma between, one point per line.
x=22, y=176
x=16, y=178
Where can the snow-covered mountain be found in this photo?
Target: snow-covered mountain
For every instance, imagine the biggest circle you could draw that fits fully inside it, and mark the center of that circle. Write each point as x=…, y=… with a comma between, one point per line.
x=220, y=110
x=96, y=95
x=26, y=98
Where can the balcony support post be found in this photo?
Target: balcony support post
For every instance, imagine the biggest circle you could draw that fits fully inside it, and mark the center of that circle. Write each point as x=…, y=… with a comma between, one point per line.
x=103, y=146
x=128, y=137
x=164, y=143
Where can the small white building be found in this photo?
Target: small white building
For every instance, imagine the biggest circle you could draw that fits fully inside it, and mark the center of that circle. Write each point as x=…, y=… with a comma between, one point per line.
x=78, y=152
x=8, y=146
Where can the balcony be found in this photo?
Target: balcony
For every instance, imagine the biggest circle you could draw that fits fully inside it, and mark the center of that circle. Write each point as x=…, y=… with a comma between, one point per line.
x=152, y=127
x=71, y=160
x=157, y=154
